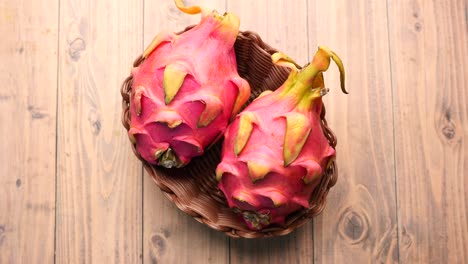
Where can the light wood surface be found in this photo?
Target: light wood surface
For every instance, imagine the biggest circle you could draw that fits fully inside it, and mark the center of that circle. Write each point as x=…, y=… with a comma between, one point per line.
x=71, y=190
x=363, y=223
x=28, y=73
x=99, y=212
x=429, y=52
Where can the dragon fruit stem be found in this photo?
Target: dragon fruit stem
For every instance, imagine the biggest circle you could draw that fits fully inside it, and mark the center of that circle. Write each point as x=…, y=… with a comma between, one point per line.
x=227, y=23
x=320, y=63
x=310, y=79
x=192, y=10
x=307, y=84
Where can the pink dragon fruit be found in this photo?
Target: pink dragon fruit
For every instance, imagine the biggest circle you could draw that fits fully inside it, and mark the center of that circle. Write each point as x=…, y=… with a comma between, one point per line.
x=275, y=152
x=186, y=90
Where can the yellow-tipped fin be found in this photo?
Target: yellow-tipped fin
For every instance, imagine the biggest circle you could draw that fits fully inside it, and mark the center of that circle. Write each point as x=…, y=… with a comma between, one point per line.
x=132, y=138
x=284, y=60
x=225, y=168
x=277, y=198
x=132, y=132
x=257, y=171
x=219, y=174
x=170, y=117
x=139, y=90
x=174, y=124
x=213, y=107
x=313, y=170
x=245, y=197
x=160, y=38
x=173, y=79
x=246, y=121
x=298, y=128
x=243, y=94
x=264, y=93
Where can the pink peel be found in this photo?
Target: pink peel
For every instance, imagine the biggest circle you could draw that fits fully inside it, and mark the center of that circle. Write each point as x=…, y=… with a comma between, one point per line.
x=186, y=90
x=275, y=152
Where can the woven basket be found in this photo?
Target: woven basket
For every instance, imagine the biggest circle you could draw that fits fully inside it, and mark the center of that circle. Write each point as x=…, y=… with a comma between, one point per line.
x=194, y=189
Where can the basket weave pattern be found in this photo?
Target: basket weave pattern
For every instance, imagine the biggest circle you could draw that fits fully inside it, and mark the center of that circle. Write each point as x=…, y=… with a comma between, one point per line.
x=193, y=189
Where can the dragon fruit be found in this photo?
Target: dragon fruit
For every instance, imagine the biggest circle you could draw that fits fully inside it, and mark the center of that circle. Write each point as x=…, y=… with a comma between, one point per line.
x=275, y=152
x=186, y=90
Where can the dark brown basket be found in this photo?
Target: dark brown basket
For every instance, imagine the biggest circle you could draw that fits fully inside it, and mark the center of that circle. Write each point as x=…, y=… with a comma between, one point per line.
x=194, y=189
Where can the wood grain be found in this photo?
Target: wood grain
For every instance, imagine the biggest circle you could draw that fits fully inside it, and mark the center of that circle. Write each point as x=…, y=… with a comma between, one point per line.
x=359, y=224
x=171, y=236
x=429, y=51
x=99, y=180
x=67, y=167
x=283, y=25
x=28, y=73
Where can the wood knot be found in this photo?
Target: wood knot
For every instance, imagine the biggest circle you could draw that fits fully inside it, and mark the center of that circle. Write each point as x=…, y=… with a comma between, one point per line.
x=39, y=207
x=166, y=232
x=417, y=27
x=95, y=121
x=446, y=126
x=36, y=113
x=158, y=242
x=5, y=97
x=2, y=233
x=76, y=47
x=158, y=245
x=448, y=132
x=18, y=183
x=405, y=239
x=353, y=226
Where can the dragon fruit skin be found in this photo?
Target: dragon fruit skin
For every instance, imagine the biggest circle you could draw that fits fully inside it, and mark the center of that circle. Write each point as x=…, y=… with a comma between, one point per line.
x=274, y=153
x=186, y=90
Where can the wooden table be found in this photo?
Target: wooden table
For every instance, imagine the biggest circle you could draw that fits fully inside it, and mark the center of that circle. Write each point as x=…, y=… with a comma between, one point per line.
x=71, y=190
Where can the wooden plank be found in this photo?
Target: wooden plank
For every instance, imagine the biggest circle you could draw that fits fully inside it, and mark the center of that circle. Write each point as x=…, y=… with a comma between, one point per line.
x=28, y=73
x=99, y=180
x=171, y=236
x=283, y=25
x=429, y=51
x=359, y=224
